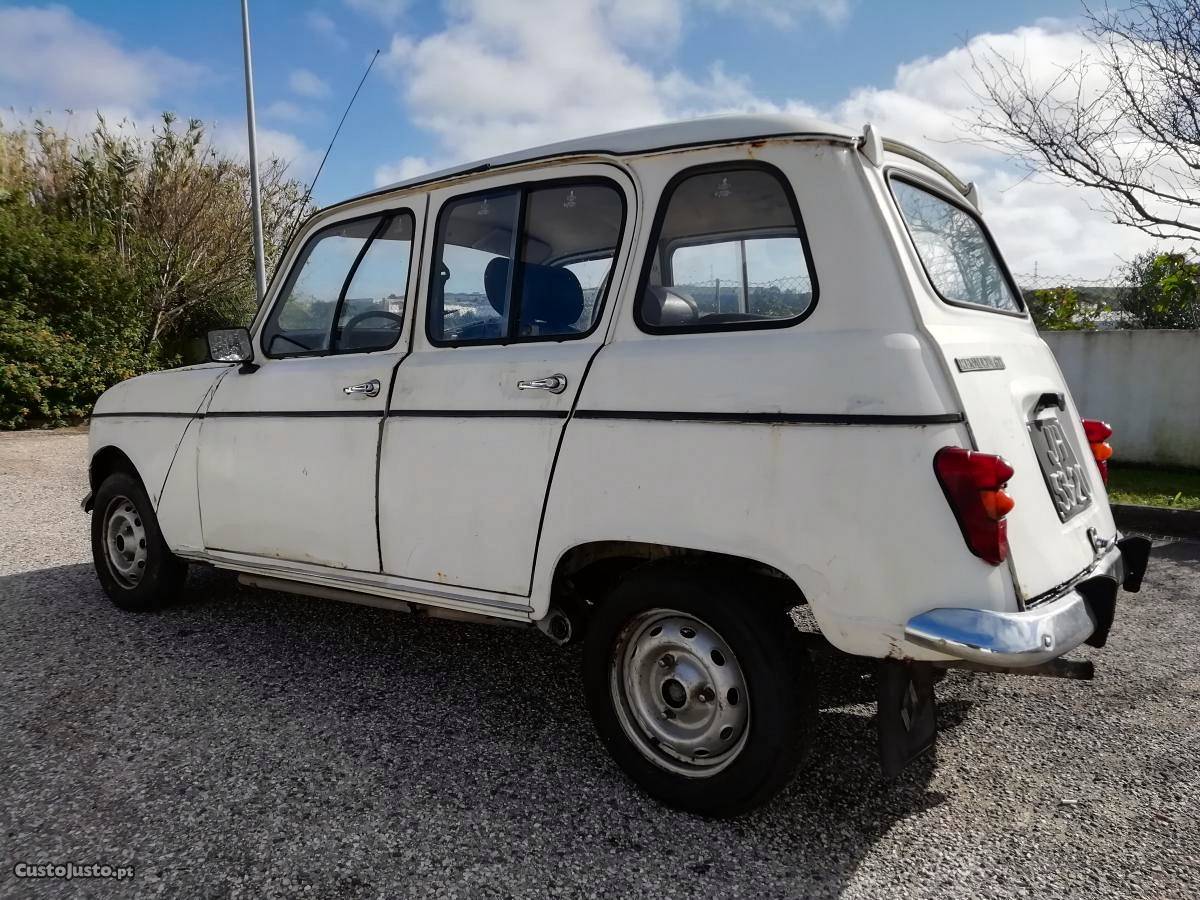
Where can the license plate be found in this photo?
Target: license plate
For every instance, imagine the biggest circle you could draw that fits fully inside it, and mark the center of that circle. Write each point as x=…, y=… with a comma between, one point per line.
x=1065, y=477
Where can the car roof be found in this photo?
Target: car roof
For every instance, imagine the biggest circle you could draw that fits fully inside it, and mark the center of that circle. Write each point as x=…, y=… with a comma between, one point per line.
x=634, y=141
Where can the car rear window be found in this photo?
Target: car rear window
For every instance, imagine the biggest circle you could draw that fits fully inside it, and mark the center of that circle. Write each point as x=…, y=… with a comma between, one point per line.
x=955, y=249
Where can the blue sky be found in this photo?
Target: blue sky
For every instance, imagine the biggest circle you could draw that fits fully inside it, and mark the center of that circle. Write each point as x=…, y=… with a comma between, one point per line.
x=467, y=78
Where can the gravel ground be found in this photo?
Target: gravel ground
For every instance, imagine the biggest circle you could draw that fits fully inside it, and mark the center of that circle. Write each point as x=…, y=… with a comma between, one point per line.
x=252, y=744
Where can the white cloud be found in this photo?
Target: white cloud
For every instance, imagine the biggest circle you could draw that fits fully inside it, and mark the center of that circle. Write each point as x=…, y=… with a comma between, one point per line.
x=287, y=111
x=50, y=58
x=785, y=13
x=405, y=168
x=1053, y=227
x=307, y=84
x=230, y=138
x=497, y=79
x=323, y=26
x=386, y=11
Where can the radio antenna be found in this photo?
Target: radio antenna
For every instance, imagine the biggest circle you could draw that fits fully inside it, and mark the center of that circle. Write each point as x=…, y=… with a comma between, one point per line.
x=337, y=131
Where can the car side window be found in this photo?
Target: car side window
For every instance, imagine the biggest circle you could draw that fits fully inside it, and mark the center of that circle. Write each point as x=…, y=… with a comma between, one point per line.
x=372, y=311
x=563, y=237
x=956, y=252
x=728, y=252
x=346, y=292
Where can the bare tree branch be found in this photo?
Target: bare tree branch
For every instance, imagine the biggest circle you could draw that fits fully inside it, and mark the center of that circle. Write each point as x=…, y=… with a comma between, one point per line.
x=1123, y=120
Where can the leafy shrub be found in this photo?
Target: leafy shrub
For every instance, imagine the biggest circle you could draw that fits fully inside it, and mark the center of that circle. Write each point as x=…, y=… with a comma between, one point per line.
x=1164, y=291
x=1061, y=309
x=69, y=326
x=116, y=252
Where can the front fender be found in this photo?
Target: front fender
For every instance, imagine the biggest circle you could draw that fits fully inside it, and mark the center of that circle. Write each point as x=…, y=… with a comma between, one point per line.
x=146, y=418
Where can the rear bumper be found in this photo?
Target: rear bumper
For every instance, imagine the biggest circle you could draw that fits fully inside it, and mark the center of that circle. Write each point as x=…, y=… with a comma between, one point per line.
x=1083, y=611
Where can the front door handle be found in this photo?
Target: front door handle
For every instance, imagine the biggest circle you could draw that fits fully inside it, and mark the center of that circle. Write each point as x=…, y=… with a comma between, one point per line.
x=367, y=388
x=555, y=384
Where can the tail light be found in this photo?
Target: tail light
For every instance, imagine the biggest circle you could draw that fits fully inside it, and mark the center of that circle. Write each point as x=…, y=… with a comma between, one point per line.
x=974, y=486
x=1098, y=434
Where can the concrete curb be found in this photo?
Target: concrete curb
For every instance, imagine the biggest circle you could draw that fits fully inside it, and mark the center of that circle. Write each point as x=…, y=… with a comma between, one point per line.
x=1184, y=523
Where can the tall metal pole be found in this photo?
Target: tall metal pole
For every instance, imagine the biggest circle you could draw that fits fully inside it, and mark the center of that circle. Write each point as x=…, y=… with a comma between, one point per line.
x=260, y=266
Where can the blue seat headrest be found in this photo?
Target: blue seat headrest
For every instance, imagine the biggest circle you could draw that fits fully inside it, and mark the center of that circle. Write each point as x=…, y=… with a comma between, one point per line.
x=549, y=294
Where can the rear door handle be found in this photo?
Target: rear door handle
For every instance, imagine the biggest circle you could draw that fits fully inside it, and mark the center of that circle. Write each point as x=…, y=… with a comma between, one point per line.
x=367, y=388
x=555, y=384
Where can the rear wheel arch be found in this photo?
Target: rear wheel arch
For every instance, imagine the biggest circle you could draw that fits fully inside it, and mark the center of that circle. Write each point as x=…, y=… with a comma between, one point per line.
x=587, y=573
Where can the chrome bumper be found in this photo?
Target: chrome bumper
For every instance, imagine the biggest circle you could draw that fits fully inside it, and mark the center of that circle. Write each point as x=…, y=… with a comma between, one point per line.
x=1082, y=612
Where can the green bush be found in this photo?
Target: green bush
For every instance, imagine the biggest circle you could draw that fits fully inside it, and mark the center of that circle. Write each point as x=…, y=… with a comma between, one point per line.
x=69, y=320
x=117, y=250
x=1061, y=309
x=1164, y=291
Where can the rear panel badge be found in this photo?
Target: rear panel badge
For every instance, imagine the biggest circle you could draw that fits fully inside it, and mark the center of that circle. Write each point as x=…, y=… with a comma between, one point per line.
x=979, y=363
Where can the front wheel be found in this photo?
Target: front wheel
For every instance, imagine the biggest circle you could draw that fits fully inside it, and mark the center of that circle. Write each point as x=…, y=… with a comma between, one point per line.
x=136, y=568
x=699, y=688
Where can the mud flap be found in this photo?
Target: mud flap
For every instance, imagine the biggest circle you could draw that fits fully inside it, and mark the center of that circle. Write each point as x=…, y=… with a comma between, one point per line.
x=1135, y=553
x=907, y=714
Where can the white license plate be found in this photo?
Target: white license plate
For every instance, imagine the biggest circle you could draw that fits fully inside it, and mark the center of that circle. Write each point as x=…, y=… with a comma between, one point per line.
x=1065, y=478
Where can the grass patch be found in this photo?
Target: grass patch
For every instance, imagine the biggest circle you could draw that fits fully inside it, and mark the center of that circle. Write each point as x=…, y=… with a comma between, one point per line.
x=1152, y=486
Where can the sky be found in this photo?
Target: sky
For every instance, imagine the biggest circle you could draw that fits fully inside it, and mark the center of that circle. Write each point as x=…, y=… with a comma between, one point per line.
x=464, y=79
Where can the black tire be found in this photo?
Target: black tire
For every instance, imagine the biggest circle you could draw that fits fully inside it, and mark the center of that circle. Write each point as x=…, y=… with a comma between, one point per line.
x=779, y=683
x=153, y=576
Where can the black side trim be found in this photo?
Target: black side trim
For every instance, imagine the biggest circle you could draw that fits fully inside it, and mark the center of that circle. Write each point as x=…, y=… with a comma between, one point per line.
x=768, y=418
x=147, y=415
x=477, y=413
x=296, y=414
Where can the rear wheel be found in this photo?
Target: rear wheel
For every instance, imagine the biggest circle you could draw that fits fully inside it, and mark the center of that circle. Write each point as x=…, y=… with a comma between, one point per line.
x=135, y=567
x=700, y=689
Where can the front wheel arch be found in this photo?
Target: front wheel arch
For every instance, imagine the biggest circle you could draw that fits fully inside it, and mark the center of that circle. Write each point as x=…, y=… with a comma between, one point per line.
x=106, y=461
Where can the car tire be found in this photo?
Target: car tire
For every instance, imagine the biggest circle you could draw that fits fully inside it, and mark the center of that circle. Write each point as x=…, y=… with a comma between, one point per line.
x=136, y=568
x=700, y=687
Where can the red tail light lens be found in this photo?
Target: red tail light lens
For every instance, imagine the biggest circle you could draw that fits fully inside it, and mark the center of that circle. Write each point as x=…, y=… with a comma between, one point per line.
x=1098, y=434
x=974, y=486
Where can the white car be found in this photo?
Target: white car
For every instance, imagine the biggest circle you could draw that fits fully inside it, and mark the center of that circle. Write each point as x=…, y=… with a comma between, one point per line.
x=650, y=390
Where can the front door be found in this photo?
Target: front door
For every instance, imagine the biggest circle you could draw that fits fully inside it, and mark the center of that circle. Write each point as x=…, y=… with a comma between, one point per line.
x=522, y=277
x=288, y=453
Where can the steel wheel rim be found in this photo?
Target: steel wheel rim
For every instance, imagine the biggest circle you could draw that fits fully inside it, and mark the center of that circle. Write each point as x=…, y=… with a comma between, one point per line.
x=125, y=542
x=680, y=693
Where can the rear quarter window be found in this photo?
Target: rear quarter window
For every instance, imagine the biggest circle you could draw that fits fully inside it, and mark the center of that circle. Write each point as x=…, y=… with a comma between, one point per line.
x=955, y=249
x=728, y=252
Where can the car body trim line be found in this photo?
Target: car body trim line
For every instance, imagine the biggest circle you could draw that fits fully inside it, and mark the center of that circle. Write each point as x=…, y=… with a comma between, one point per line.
x=477, y=413
x=772, y=418
x=137, y=414
x=294, y=414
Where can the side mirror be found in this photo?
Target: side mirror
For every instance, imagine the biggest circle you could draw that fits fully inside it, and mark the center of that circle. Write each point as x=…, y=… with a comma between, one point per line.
x=232, y=345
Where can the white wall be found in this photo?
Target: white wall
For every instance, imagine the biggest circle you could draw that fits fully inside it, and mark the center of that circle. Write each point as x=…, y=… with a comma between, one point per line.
x=1146, y=384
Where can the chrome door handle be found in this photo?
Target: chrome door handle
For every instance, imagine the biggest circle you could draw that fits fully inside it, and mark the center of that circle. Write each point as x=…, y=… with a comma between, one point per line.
x=367, y=388
x=555, y=384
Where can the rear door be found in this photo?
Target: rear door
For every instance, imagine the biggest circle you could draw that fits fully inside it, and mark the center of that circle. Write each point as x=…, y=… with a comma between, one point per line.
x=522, y=272
x=1012, y=391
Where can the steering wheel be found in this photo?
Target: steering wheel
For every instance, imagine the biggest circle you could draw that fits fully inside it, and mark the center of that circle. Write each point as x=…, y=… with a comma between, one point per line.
x=373, y=313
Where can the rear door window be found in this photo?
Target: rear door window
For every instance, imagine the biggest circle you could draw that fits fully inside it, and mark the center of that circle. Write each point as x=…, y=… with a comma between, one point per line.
x=958, y=255
x=562, y=237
